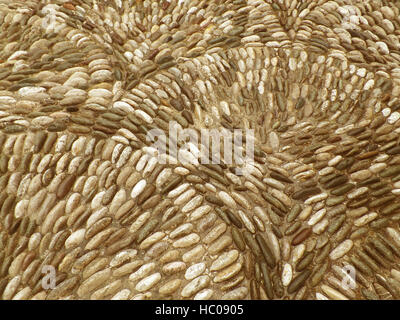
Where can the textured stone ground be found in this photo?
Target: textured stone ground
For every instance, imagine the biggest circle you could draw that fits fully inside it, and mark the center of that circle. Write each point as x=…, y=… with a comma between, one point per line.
x=81, y=84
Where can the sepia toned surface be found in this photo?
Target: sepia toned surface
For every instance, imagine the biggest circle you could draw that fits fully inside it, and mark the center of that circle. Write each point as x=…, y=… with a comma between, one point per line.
x=83, y=82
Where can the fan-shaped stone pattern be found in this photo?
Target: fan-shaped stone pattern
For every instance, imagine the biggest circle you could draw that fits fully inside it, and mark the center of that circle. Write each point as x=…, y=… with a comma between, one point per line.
x=83, y=82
